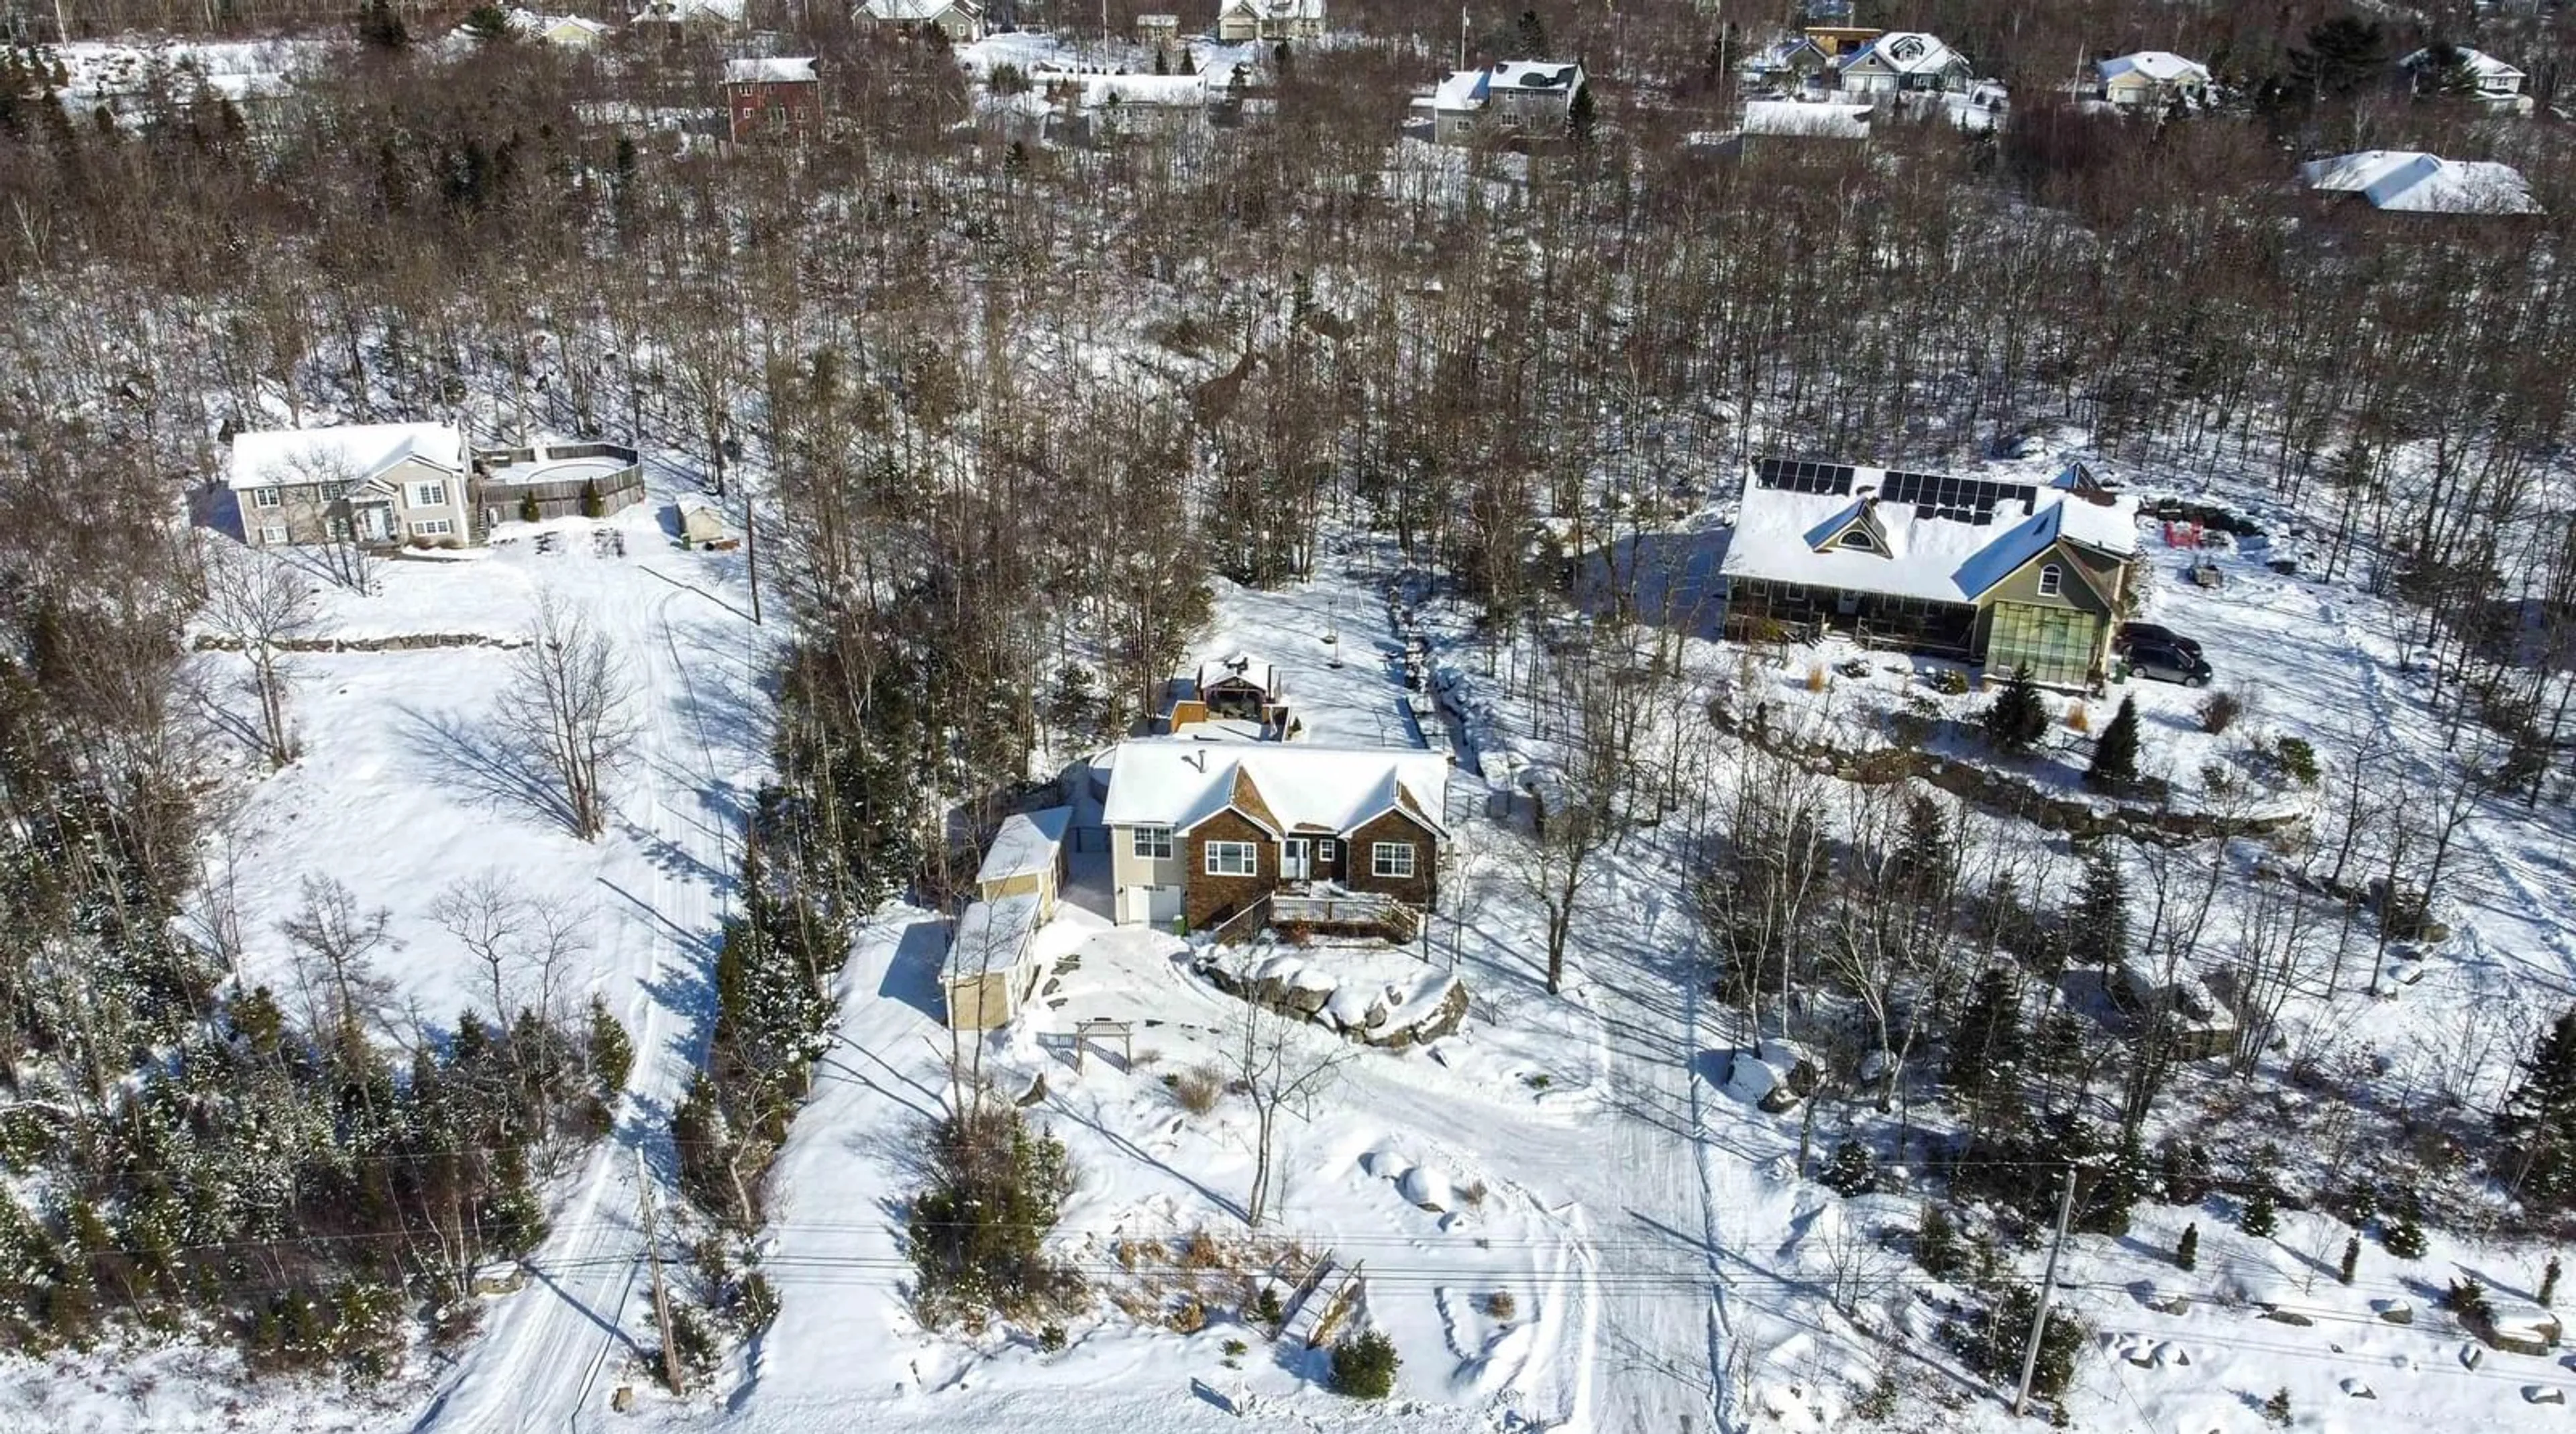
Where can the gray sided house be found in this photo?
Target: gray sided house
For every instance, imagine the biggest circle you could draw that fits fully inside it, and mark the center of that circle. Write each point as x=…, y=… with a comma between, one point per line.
x=377, y=484
x=1530, y=97
x=1203, y=832
x=2008, y=574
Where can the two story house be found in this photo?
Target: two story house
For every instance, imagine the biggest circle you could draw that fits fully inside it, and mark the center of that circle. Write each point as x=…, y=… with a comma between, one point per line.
x=775, y=98
x=2151, y=80
x=1201, y=831
x=1529, y=96
x=1902, y=62
x=2010, y=574
x=2442, y=68
x=378, y=484
x=1240, y=20
x=962, y=21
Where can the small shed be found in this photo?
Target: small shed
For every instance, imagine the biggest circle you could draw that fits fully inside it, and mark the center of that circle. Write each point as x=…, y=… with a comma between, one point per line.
x=2201, y=1028
x=700, y=524
x=1027, y=859
x=992, y=967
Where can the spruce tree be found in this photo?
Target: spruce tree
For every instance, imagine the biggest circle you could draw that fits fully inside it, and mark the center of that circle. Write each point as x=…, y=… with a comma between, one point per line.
x=2018, y=717
x=2277, y=1408
x=1581, y=118
x=2549, y=1283
x=1852, y=1172
x=2351, y=1260
x=2103, y=1207
x=2115, y=755
x=1529, y=36
x=2097, y=925
x=2538, y=1122
x=2187, y=1249
x=2341, y=55
x=2261, y=1217
x=1985, y=1062
x=2403, y=1236
x=1936, y=1242
x=592, y=505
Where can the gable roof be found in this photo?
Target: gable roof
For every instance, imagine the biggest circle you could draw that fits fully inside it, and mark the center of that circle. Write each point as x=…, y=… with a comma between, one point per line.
x=1273, y=10
x=2480, y=64
x=1099, y=91
x=1463, y=90
x=2164, y=67
x=1239, y=667
x=919, y=12
x=1537, y=75
x=1026, y=844
x=1907, y=52
x=770, y=70
x=2413, y=182
x=992, y=936
x=1929, y=540
x=1178, y=783
x=677, y=12
x=1794, y=119
x=349, y=453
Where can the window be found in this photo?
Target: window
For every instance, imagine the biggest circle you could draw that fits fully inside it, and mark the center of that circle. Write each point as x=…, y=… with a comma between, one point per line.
x=1152, y=842
x=429, y=495
x=1325, y=849
x=272, y=533
x=267, y=497
x=434, y=528
x=1391, y=858
x=2052, y=580
x=1233, y=858
x=1858, y=538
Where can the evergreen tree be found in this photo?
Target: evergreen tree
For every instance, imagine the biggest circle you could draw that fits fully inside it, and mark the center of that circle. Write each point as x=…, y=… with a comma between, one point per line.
x=1529, y=37
x=2351, y=1260
x=1185, y=63
x=612, y=1054
x=2548, y=1283
x=1162, y=61
x=2097, y=925
x=489, y=24
x=2261, y=1218
x=2115, y=755
x=1936, y=1242
x=2341, y=55
x=592, y=505
x=1985, y=1058
x=1852, y=1171
x=2277, y=1408
x=2187, y=1249
x=2403, y=1235
x=1581, y=118
x=2103, y=1207
x=381, y=28
x=2018, y=717
x=2538, y=1123
x=1927, y=865
x=2446, y=73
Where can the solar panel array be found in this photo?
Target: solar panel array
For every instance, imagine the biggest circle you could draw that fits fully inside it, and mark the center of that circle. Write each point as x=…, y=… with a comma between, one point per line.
x=1961, y=500
x=1796, y=475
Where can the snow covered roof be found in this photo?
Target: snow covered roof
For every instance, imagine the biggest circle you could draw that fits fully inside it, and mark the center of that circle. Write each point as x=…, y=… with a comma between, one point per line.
x=2162, y=66
x=1537, y=75
x=1239, y=667
x=1937, y=538
x=770, y=70
x=351, y=453
x=1275, y=9
x=992, y=936
x=1180, y=783
x=1027, y=844
x=920, y=12
x=2480, y=64
x=2413, y=182
x=1793, y=118
x=1463, y=90
x=674, y=12
x=1907, y=52
x=1099, y=90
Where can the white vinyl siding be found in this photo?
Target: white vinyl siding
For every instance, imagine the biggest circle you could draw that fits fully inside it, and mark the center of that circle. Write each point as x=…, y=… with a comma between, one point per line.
x=1391, y=859
x=1233, y=858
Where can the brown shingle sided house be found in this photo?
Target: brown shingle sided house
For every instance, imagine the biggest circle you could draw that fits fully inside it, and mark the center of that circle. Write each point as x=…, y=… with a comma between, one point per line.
x=1202, y=831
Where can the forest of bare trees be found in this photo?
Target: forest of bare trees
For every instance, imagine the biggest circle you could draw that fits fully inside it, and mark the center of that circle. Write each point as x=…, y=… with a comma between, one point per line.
x=994, y=410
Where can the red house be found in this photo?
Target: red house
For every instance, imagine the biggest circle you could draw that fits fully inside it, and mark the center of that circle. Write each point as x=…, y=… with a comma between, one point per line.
x=772, y=98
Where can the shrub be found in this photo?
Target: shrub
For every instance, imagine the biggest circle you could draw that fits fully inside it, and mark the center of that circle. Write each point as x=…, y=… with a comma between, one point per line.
x=1992, y=1344
x=1950, y=682
x=2219, y=711
x=529, y=512
x=1189, y=1318
x=1267, y=1308
x=1364, y=1366
x=2078, y=719
x=1236, y=1349
x=592, y=505
x=2468, y=1300
x=2187, y=1249
x=977, y=1233
x=1816, y=679
x=2276, y=1410
x=2351, y=1260
x=1050, y=1337
x=2261, y=1217
x=1852, y=1171
x=2403, y=1237
x=1501, y=1305
x=1198, y=1089
x=2298, y=758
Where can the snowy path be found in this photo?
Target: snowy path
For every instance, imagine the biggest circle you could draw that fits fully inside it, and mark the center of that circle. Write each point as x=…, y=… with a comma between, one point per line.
x=550, y=1355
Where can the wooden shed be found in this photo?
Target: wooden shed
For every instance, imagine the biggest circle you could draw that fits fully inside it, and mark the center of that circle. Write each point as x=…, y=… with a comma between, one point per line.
x=992, y=964
x=700, y=524
x=1027, y=859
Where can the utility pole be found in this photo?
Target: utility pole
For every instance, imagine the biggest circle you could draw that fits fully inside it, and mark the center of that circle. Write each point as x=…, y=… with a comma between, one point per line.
x=2047, y=1288
x=671, y=1375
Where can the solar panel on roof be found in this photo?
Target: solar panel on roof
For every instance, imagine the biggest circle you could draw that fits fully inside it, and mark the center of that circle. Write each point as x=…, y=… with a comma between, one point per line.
x=1960, y=500
x=1798, y=475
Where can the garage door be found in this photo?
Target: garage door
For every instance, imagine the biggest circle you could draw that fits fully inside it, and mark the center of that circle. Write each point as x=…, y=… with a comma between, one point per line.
x=2055, y=643
x=1157, y=905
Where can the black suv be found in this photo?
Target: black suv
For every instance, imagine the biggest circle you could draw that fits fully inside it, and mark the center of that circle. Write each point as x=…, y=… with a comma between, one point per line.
x=2132, y=634
x=2168, y=664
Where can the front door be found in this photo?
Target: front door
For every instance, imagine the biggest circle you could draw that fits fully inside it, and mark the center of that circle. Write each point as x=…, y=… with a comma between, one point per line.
x=1292, y=860
x=375, y=523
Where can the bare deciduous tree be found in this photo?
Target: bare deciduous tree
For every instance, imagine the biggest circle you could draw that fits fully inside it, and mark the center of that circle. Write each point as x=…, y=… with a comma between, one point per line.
x=262, y=604
x=1280, y=1066
x=567, y=698
x=335, y=944
x=485, y=914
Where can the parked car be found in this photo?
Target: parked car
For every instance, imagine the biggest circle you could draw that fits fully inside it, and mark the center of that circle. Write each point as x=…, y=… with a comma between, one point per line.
x=2132, y=633
x=2168, y=664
